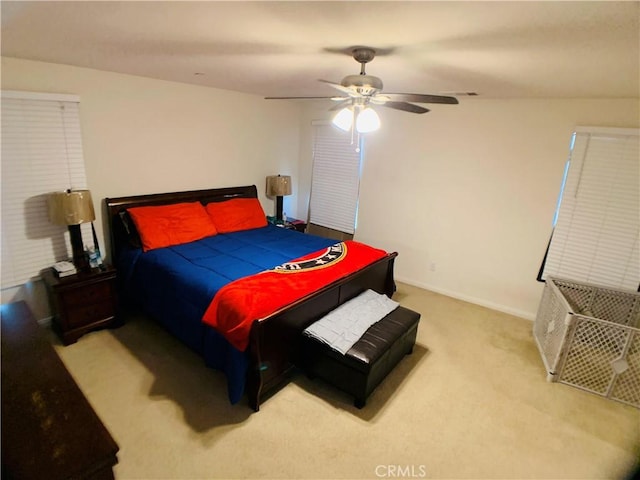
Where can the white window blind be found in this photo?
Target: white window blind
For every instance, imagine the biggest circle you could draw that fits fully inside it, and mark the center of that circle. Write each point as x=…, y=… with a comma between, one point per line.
x=597, y=235
x=41, y=153
x=335, y=180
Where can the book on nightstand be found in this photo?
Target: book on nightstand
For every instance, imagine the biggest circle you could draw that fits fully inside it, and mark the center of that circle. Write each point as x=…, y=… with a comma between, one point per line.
x=64, y=269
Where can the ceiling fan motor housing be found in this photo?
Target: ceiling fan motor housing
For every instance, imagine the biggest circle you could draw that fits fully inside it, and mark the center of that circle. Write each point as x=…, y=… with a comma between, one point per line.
x=363, y=84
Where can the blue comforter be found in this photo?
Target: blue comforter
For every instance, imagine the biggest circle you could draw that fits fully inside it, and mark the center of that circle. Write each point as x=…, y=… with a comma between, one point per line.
x=176, y=284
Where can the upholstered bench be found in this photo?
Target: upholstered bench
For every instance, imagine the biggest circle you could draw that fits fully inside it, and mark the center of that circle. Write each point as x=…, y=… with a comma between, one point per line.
x=369, y=360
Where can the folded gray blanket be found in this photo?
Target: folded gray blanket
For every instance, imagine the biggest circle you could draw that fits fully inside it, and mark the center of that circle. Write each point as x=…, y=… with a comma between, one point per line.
x=345, y=325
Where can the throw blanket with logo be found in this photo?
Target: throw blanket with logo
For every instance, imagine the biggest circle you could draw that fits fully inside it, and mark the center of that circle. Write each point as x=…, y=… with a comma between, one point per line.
x=238, y=304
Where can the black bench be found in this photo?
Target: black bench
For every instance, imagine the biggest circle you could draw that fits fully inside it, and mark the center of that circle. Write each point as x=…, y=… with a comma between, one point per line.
x=369, y=360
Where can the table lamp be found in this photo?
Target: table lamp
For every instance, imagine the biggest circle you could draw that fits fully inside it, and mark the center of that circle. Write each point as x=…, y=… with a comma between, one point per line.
x=73, y=208
x=278, y=186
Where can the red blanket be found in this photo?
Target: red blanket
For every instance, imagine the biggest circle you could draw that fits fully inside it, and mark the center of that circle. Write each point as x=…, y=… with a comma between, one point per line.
x=239, y=303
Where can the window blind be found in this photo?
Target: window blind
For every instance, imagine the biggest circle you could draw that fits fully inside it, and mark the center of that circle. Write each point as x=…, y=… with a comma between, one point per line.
x=597, y=235
x=41, y=153
x=335, y=180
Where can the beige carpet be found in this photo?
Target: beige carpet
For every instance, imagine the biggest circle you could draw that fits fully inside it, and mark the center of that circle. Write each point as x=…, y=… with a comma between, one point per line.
x=471, y=402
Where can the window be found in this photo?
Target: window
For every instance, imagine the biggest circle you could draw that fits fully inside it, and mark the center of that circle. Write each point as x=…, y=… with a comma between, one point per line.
x=335, y=179
x=596, y=235
x=41, y=153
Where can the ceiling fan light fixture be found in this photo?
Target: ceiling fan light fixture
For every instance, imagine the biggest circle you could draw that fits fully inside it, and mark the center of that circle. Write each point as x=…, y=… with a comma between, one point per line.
x=344, y=119
x=363, y=89
x=367, y=121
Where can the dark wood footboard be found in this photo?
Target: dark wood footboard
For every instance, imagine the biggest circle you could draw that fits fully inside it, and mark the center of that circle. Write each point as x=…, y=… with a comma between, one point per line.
x=275, y=340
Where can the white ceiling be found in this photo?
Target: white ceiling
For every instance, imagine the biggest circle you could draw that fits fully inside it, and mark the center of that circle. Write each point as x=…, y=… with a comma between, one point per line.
x=497, y=49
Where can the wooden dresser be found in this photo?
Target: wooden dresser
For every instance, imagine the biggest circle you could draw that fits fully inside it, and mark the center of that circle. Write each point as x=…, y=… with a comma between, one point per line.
x=49, y=430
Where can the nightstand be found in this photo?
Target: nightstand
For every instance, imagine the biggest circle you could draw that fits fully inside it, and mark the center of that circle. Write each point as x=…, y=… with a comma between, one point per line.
x=81, y=302
x=294, y=224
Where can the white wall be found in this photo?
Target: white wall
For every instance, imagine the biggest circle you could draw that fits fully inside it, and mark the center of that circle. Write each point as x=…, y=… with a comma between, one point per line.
x=466, y=193
x=468, y=190
x=148, y=136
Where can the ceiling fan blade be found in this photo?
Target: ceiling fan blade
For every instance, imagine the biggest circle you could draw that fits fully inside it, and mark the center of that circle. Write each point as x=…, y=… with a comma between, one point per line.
x=297, y=98
x=420, y=98
x=407, y=107
x=379, y=99
x=342, y=88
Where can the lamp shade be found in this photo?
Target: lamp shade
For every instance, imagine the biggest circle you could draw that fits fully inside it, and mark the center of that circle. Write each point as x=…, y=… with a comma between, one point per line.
x=367, y=121
x=278, y=185
x=344, y=119
x=71, y=207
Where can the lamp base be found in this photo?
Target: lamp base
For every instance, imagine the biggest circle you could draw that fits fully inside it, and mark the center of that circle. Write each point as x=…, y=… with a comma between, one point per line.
x=80, y=260
x=279, y=207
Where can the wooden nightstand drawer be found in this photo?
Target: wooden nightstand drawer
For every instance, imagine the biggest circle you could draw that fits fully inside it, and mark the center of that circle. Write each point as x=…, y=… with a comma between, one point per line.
x=87, y=295
x=86, y=314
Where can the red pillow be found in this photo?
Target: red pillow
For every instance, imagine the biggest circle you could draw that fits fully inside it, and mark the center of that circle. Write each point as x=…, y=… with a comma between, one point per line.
x=167, y=225
x=237, y=214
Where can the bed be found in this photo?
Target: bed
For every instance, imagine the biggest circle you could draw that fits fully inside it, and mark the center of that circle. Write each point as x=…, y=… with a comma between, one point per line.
x=177, y=285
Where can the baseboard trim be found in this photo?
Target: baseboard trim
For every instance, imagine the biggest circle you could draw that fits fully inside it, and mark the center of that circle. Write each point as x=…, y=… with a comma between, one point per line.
x=466, y=298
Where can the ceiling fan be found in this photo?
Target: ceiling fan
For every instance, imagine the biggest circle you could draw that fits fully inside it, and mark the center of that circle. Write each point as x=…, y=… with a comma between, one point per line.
x=361, y=90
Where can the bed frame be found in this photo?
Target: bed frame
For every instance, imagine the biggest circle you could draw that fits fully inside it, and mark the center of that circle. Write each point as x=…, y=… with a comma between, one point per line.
x=274, y=341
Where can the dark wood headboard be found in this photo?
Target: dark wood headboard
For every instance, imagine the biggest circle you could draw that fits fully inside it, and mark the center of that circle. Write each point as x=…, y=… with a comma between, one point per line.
x=118, y=235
